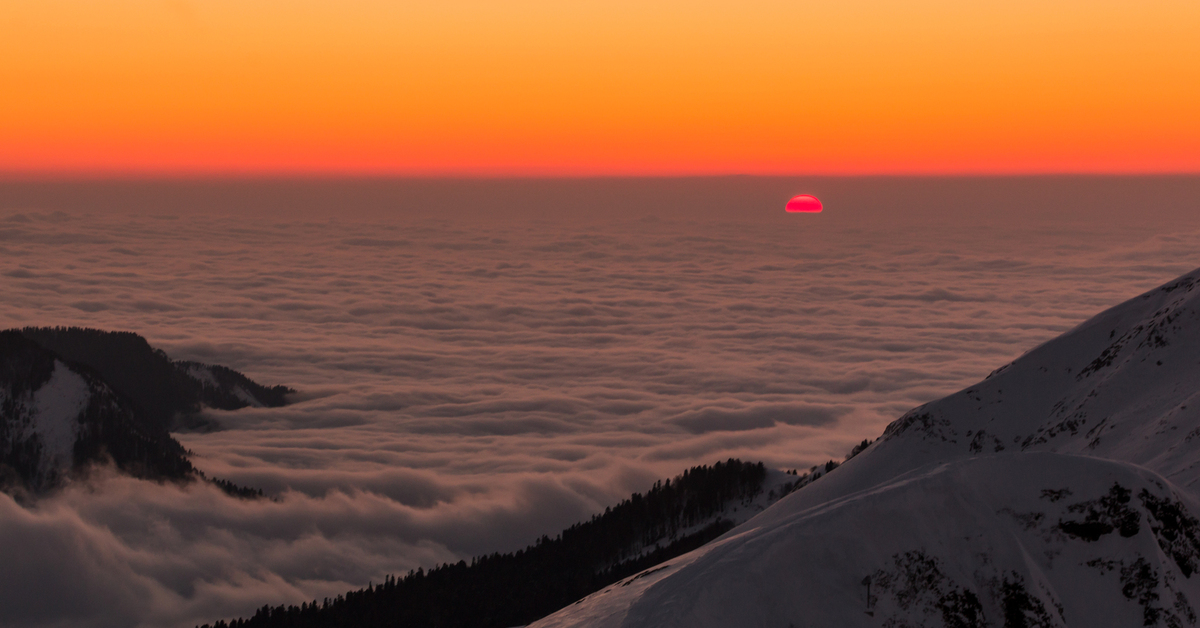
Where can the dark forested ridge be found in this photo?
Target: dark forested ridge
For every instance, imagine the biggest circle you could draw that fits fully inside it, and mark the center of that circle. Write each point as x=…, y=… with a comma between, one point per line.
x=501, y=590
x=107, y=428
x=163, y=392
x=24, y=368
x=131, y=395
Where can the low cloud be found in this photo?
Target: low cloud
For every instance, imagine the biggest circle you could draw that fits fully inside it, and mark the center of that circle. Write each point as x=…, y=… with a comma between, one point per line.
x=755, y=417
x=469, y=385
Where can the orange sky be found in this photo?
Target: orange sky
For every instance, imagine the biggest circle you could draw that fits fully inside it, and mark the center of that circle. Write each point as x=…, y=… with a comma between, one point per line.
x=501, y=87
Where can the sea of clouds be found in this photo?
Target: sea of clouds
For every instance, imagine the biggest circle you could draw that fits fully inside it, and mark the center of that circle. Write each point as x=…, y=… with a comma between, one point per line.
x=481, y=363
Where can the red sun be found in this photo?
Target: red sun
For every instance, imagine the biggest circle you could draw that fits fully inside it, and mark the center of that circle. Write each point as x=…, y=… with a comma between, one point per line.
x=804, y=203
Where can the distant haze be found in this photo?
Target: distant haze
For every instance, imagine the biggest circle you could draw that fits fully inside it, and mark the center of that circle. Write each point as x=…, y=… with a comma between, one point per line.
x=484, y=361
x=1140, y=201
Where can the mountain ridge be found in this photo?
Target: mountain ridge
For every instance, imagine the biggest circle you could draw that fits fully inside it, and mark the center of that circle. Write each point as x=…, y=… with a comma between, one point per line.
x=60, y=411
x=1072, y=464
x=163, y=391
x=55, y=420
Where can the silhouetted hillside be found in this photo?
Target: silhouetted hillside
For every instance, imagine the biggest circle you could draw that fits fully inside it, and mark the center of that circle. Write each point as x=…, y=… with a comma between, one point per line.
x=74, y=397
x=56, y=417
x=162, y=392
x=500, y=590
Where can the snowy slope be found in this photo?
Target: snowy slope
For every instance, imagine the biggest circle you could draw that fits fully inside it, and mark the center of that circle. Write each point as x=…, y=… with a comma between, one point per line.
x=203, y=374
x=56, y=410
x=44, y=423
x=1060, y=491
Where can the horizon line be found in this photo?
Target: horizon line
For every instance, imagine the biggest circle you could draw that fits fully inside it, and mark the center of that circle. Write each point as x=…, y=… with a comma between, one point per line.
x=9, y=177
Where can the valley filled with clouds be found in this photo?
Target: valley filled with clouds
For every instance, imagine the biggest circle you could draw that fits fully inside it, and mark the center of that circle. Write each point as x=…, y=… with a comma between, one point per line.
x=470, y=381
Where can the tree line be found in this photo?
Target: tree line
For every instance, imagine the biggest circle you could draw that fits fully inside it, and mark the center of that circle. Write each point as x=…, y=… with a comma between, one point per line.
x=514, y=589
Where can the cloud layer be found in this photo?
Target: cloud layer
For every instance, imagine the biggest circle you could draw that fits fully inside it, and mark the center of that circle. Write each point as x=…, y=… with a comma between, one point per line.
x=469, y=382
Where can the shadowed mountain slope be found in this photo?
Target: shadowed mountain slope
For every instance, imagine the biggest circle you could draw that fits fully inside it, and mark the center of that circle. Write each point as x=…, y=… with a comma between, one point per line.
x=163, y=392
x=56, y=418
x=1060, y=491
x=74, y=397
x=502, y=590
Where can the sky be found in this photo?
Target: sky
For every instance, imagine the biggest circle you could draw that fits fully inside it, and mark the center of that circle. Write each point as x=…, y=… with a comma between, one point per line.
x=591, y=87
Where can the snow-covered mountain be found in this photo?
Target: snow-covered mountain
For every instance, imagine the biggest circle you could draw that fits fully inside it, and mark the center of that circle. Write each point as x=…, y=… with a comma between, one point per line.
x=1060, y=491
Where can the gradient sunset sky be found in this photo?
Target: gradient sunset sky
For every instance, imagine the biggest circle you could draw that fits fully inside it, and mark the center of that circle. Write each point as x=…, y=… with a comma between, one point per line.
x=590, y=87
